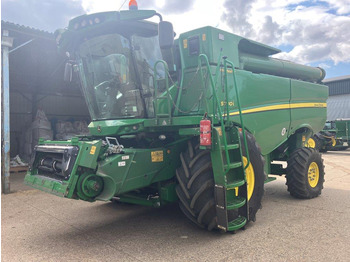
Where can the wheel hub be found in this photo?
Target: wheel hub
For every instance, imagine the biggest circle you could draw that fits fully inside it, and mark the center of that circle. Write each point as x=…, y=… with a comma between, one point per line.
x=311, y=143
x=89, y=186
x=313, y=174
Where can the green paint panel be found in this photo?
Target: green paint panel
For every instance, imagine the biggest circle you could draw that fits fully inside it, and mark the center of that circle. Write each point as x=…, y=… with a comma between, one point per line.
x=343, y=129
x=89, y=154
x=212, y=40
x=111, y=127
x=313, y=114
x=50, y=186
x=138, y=168
x=168, y=193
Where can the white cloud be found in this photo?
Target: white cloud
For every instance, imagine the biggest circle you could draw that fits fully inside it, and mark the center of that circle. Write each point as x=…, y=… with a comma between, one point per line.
x=324, y=66
x=317, y=31
x=342, y=7
x=92, y=6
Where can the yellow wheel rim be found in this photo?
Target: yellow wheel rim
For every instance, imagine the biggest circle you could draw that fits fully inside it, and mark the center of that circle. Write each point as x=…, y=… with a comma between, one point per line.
x=313, y=174
x=249, y=172
x=311, y=143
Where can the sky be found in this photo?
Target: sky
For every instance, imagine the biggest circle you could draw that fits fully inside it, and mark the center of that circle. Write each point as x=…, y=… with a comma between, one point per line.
x=312, y=32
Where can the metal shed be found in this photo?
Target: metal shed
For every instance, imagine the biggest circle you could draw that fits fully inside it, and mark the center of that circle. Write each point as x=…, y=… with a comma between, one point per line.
x=338, y=103
x=32, y=78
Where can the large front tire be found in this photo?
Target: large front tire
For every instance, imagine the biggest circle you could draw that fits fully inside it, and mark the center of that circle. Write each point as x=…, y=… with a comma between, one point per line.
x=305, y=173
x=254, y=171
x=196, y=184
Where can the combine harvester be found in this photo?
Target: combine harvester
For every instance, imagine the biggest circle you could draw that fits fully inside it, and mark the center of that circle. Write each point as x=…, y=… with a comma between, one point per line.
x=197, y=120
x=335, y=136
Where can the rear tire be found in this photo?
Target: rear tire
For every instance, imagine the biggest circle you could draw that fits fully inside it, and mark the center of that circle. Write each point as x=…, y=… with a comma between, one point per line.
x=196, y=184
x=305, y=173
x=315, y=142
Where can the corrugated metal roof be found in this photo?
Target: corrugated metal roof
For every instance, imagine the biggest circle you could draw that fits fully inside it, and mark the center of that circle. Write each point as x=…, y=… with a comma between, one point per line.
x=338, y=107
x=25, y=29
x=339, y=78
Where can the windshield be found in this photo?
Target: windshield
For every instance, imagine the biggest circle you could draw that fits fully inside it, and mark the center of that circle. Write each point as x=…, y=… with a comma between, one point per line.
x=117, y=75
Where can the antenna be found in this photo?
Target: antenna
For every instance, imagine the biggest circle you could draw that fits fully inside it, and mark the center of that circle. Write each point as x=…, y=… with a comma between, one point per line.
x=122, y=5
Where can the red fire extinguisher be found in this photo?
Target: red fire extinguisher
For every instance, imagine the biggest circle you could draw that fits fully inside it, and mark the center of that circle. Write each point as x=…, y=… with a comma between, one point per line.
x=205, y=131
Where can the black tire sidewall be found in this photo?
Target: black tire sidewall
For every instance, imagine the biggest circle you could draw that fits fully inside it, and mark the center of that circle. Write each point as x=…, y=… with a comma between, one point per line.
x=297, y=173
x=318, y=160
x=259, y=174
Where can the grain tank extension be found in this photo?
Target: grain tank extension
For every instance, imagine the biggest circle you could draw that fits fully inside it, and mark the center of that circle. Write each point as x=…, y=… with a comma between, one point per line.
x=199, y=120
x=273, y=66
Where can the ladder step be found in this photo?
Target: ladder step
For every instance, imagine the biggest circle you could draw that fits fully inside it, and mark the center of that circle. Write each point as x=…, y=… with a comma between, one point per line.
x=233, y=165
x=163, y=115
x=230, y=147
x=234, y=184
x=237, y=223
x=236, y=203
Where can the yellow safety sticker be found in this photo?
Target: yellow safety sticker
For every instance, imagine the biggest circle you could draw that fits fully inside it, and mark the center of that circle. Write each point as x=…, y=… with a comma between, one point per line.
x=185, y=43
x=303, y=138
x=157, y=156
x=229, y=70
x=93, y=150
x=224, y=103
x=219, y=131
x=204, y=37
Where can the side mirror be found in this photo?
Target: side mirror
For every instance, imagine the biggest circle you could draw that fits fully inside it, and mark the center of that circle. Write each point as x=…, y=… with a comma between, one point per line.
x=166, y=34
x=68, y=73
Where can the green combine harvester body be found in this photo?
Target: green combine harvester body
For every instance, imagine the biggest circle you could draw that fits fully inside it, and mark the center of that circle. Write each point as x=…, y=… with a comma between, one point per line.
x=198, y=120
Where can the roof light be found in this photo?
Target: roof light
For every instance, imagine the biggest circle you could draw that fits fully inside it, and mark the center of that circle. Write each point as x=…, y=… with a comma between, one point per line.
x=133, y=5
x=83, y=23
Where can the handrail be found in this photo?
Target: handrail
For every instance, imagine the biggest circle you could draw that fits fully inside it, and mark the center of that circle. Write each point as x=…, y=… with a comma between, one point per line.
x=226, y=61
x=217, y=102
x=156, y=88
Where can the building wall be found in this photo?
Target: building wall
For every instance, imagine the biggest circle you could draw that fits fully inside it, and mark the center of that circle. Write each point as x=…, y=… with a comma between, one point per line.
x=339, y=87
x=338, y=107
x=36, y=82
x=338, y=103
x=55, y=107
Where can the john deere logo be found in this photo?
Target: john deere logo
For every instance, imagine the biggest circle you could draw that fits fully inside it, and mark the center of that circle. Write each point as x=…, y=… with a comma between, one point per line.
x=99, y=129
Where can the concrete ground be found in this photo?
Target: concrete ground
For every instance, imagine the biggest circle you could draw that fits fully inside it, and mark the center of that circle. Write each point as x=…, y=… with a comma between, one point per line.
x=37, y=226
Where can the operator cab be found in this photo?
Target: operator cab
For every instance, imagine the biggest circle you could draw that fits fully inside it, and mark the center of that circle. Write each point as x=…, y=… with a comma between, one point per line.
x=114, y=54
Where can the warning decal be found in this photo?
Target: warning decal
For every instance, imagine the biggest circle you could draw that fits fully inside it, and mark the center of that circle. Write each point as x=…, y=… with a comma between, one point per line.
x=93, y=150
x=157, y=156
